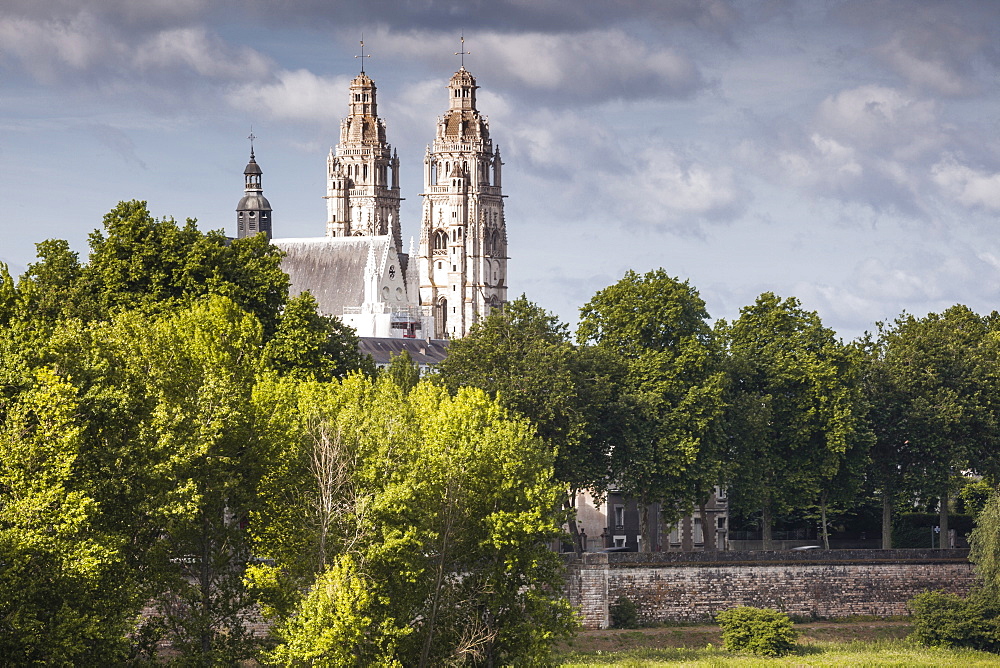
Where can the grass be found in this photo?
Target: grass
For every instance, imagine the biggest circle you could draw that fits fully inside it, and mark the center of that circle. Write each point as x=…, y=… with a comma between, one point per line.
x=886, y=653
x=849, y=642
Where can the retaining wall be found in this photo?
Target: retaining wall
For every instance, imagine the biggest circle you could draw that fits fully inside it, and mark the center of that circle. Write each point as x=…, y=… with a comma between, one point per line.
x=694, y=586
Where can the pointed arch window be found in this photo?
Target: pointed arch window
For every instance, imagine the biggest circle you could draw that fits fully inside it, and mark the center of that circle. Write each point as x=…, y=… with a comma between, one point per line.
x=439, y=243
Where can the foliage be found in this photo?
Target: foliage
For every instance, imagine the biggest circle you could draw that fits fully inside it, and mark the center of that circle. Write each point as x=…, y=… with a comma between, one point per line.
x=974, y=495
x=61, y=601
x=931, y=384
x=339, y=624
x=984, y=542
x=444, y=504
x=946, y=620
x=760, y=631
x=624, y=614
x=796, y=413
x=403, y=371
x=313, y=345
x=657, y=327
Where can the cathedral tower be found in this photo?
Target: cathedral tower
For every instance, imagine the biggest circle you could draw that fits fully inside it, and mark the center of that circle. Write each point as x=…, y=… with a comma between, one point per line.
x=362, y=193
x=253, y=213
x=463, y=236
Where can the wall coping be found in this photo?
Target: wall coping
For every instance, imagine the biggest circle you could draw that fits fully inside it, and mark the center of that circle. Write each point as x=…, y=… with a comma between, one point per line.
x=764, y=558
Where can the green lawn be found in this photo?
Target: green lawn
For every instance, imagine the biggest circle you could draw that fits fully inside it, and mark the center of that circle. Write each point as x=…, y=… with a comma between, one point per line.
x=902, y=653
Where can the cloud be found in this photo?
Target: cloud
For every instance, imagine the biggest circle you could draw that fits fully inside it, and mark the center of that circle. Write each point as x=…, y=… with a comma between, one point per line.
x=566, y=68
x=45, y=48
x=202, y=53
x=296, y=95
x=667, y=189
x=969, y=187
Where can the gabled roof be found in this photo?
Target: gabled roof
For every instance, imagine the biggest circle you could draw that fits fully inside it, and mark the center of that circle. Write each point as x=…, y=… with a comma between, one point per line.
x=331, y=268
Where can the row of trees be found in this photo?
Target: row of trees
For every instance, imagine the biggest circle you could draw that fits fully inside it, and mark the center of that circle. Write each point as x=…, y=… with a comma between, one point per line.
x=655, y=400
x=183, y=447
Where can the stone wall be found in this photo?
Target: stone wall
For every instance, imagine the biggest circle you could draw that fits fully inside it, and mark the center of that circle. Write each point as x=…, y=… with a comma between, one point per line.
x=694, y=586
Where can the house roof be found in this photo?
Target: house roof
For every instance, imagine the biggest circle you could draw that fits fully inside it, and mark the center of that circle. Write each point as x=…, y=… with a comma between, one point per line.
x=424, y=352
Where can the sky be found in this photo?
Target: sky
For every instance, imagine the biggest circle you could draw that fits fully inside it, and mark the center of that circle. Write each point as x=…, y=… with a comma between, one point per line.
x=843, y=152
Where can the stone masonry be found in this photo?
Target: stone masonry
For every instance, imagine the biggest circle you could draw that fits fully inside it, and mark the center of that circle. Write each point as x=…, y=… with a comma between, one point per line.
x=694, y=586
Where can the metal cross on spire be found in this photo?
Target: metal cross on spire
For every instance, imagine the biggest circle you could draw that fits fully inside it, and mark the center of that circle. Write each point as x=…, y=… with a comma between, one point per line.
x=251, y=137
x=463, y=52
x=363, y=56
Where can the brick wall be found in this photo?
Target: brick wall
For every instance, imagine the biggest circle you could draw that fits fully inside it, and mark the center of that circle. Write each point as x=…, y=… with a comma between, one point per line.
x=693, y=586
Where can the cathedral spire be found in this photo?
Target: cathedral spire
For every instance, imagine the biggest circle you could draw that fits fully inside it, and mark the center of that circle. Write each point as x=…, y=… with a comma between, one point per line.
x=362, y=192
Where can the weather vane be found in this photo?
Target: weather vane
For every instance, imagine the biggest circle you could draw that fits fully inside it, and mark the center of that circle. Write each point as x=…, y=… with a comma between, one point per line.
x=251, y=137
x=363, y=56
x=463, y=52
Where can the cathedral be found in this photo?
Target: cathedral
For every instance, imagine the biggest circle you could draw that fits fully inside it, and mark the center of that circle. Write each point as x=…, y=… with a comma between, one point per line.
x=358, y=270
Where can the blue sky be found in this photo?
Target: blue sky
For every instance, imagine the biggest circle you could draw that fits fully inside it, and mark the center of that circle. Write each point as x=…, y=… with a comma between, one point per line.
x=843, y=152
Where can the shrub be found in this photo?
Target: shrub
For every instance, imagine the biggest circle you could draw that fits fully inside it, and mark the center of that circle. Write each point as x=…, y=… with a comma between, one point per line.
x=757, y=630
x=624, y=614
x=946, y=620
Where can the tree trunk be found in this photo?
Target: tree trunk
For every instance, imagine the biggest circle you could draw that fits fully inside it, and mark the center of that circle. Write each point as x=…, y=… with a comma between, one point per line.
x=822, y=513
x=765, y=526
x=943, y=517
x=643, y=526
x=886, y=520
x=707, y=529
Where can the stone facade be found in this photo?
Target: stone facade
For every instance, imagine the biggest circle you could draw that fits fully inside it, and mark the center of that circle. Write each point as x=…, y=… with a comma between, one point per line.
x=695, y=586
x=463, y=234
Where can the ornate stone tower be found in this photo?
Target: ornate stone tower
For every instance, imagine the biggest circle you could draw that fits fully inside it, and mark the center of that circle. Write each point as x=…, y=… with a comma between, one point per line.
x=362, y=193
x=463, y=236
x=253, y=213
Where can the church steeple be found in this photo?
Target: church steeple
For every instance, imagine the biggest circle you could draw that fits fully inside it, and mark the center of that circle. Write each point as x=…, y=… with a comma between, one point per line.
x=463, y=239
x=362, y=194
x=253, y=213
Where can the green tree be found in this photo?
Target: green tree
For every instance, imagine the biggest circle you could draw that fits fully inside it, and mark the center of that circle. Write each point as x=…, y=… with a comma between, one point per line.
x=403, y=371
x=444, y=505
x=798, y=408
x=657, y=326
x=321, y=347
x=61, y=598
x=931, y=384
x=522, y=357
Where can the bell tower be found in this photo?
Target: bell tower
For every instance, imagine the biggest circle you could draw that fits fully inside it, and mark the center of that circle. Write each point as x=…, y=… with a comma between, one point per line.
x=253, y=213
x=362, y=194
x=463, y=236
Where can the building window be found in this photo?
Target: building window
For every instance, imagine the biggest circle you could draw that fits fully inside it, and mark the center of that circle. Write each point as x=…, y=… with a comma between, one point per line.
x=619, y=541
x=619, y=515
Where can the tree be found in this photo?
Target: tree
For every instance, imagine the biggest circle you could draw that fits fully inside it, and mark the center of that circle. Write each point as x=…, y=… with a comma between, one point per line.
x=403, y=371
x=61, y=597
x=522, y=357
x=931, y=383
x=798, y=407
x=657, y=326
x=317, y=346
x=444, y=506
x=138, y=262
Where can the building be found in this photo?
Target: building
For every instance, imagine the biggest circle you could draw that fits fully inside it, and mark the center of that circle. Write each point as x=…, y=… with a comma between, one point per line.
x=358, y=271
x=614, y=523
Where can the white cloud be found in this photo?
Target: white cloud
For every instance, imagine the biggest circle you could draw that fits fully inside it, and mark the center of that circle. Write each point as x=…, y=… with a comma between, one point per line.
x=47, y=47
x=877, y=117
x=297, y=95
x=969, y=187
x=663, y=188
